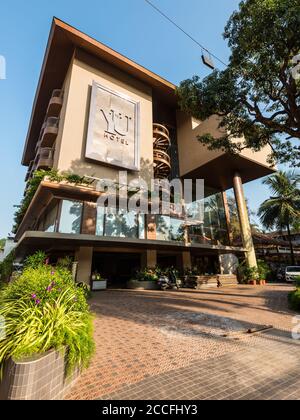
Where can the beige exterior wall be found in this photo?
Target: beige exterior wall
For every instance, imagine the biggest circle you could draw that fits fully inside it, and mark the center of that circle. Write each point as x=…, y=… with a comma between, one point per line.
x=84, y=258
x=192, y=154
x=71, y=141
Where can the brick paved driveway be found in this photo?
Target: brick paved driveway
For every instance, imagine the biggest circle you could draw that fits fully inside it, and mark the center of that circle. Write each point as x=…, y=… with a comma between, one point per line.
x=192, y=345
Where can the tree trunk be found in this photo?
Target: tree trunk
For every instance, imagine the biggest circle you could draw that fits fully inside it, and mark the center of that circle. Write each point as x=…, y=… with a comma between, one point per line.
x=291, y=245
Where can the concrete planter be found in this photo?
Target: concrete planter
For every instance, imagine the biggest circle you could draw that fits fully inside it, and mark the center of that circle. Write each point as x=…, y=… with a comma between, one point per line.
x=37, y=378
x=142, y=285
x=99, y=285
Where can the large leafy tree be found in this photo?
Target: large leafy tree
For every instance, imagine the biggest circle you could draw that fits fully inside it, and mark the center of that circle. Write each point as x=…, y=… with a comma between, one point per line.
x=258, y=95
x=282, y=209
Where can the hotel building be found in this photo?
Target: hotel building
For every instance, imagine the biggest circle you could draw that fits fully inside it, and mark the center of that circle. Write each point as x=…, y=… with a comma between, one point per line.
x=97, y=113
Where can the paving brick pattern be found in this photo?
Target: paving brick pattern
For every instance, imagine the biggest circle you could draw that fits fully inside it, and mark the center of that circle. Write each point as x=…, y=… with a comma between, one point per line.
x=192, y=344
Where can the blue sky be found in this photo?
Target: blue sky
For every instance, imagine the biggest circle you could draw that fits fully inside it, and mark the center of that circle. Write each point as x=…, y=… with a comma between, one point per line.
x=128, y=26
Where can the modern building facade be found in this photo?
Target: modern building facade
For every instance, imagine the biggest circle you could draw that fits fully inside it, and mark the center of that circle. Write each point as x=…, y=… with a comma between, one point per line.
x=97, y=113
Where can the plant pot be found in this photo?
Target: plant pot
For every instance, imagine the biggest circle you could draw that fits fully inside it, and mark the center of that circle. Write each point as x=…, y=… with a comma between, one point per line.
x=99, y=285
x=142, y=285
x=252, y=282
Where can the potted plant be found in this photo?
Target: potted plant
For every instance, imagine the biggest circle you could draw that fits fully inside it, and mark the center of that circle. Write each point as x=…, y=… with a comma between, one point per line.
x=145, y=279
x=251, y=274
x=98, y=283
x=263, y=272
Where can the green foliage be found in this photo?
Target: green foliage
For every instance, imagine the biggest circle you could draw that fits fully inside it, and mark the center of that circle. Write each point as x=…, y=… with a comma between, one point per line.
x=43, y=310
x=153, y=274
x=33, y=184
x=2, y=243
x=282, y=209
x=256, y=95
x=36, y=260
x=147, y=274
x=65, y=263
x=294, y=299
x=246, y=274
x=85, y=288
x=264, y=270
x=6, y=267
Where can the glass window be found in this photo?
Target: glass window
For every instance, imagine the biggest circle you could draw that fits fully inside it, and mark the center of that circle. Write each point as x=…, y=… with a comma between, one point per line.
x=122, y=225
x=100, y=221
x=50, y=218
x=141, y=222
x=214, y=226
x=169, y=229
x=70, y=218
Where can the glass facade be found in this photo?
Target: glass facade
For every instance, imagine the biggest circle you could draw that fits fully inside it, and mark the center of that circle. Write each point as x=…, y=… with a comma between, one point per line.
x=213, y=228
x=70, y=217
x=169, y=229
x=65, y=216
x=121, y=224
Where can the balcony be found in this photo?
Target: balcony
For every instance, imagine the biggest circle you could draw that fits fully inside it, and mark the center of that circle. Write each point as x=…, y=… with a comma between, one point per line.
x=55, y=103
x=45, y=158
x=29, y=171
x=49, y=132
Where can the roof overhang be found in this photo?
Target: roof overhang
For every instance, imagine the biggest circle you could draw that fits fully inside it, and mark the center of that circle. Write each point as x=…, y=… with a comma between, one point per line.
x=63, y=41
x=33, y=240
x=47, y=191
x=219, y=172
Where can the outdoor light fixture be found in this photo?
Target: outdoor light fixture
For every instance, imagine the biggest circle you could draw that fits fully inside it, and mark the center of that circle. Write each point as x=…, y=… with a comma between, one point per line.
x=207, y=61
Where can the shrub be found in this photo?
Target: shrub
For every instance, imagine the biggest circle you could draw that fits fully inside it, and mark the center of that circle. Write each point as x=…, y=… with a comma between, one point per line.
x=294, y=299
x=264, y=270
x=147, y=274
x=43, y=309
x=6, y=267
x=36, y=260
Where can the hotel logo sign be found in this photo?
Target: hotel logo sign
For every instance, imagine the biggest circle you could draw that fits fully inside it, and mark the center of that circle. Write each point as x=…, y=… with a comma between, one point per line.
x=113, y=131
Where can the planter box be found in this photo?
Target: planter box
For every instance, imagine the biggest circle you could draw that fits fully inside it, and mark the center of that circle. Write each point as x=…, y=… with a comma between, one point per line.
x=98, y=285
x=142, y=285
x=36, y=378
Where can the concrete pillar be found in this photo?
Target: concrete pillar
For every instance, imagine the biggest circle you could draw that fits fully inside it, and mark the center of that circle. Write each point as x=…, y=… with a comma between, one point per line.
x=186, y=260
x=227, y=216
x=244, y=221
x=149, y=258
x=84, y=257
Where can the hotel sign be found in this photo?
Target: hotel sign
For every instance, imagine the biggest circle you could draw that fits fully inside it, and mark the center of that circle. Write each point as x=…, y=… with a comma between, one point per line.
x=113, y=131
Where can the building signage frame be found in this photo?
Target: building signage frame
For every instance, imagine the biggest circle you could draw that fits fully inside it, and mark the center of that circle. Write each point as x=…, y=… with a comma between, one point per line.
x=113, y=136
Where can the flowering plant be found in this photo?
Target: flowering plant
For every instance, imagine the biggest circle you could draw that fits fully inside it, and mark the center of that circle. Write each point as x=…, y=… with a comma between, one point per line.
x=43, y=310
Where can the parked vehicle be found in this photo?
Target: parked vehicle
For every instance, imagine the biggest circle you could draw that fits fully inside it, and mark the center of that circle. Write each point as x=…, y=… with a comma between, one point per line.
x=280, y=274
x=292, y=273
x=170, y=281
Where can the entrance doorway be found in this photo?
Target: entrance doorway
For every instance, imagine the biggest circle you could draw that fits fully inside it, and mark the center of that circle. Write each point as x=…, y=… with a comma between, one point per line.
x=117, y=268
x=167, y=261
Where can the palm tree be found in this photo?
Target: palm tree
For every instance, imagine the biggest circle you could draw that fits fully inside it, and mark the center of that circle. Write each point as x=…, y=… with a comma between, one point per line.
x=282, y=209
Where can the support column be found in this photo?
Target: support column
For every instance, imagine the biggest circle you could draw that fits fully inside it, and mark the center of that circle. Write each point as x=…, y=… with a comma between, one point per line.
x=149, y=258
x=244, y=221
x=84, y=257
x=186, y=260
x=227, y=216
